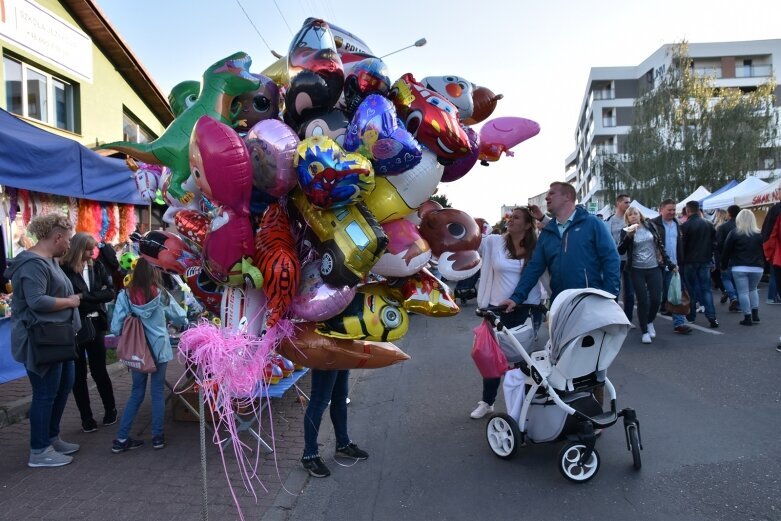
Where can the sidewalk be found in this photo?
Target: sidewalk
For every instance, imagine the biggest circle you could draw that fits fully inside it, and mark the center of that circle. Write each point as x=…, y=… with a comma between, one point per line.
x=144, y=484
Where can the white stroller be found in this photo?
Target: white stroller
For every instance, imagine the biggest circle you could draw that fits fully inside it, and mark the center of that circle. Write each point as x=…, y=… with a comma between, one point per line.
x=550, y=394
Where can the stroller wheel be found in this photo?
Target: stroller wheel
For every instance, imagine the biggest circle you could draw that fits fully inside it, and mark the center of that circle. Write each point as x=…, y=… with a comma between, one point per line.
x=568, y=463
x=634, y=444
x=503, y=435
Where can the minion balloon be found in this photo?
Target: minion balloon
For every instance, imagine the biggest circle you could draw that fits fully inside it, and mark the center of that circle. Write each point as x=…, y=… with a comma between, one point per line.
x=374, y=314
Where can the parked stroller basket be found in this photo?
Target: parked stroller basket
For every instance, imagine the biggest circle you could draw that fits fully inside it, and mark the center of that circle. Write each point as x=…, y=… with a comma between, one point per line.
x=552, y=399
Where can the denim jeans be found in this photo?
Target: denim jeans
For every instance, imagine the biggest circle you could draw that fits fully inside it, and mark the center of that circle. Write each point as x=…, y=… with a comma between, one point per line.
x=729, y=284
x=698, y=281
x=746, y=284
x=629, y=292
x=137, y=398
x=93, y=353
x=678, y=320
x=50, y=394
x=772, y=287
x=326, y=386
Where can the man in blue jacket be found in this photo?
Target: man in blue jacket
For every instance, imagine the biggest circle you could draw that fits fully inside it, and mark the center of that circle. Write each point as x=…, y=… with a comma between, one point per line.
x=575, y=247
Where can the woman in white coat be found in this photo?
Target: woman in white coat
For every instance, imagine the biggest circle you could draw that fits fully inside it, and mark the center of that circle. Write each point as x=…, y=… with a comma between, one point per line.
x=504, y=257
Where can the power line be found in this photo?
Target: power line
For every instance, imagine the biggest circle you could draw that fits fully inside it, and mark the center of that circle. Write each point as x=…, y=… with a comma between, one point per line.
x=283, y=17
x=253, y=25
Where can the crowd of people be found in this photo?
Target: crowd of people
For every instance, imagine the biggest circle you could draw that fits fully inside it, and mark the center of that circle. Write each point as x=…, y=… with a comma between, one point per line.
x=636, y=258
x=61, y=280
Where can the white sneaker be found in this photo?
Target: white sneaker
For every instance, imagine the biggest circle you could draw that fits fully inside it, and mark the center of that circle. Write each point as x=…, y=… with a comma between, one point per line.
x=48, y=458
x=651, y=331
x=482, y=409
x=646, y=338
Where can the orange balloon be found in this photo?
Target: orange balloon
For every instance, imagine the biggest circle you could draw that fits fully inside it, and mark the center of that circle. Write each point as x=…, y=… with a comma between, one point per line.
x=315, y=351
x=485, y=104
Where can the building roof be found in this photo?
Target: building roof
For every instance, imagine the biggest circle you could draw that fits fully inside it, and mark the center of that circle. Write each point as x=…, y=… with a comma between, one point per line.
x=106, y=37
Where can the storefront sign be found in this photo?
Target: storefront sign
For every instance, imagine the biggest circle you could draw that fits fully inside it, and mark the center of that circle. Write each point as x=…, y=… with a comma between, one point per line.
x=41, y=32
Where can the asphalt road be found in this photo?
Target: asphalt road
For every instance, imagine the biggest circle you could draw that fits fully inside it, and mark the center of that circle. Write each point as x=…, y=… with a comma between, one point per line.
x=709, y=406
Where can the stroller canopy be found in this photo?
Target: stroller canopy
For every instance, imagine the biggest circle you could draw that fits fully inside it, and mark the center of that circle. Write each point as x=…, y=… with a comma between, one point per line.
x=576, y=312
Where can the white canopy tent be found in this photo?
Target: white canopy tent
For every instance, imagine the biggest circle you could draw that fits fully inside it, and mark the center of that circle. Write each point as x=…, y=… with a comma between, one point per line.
x=647, y=212
x=770, y=194
x=700, y=193
x=750, y=185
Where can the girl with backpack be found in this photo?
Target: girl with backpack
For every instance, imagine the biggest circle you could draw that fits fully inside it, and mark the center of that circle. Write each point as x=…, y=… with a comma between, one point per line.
x=145, y=298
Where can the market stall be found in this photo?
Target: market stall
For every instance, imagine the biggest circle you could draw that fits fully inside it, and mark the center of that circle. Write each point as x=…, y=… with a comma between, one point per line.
x=726, y=198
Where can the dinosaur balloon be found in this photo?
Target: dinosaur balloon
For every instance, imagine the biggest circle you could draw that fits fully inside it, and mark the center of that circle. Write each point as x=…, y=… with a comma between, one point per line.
x=221, y=83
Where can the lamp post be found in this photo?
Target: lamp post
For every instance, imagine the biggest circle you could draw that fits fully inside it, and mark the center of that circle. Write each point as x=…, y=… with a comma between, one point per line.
x=419, y=43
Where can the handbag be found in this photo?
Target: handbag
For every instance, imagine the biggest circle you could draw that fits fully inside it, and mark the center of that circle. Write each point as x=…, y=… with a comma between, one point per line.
x=87, y=332
x=486, y=353
x=52, y=342
x=133, y=349
x=674, y=289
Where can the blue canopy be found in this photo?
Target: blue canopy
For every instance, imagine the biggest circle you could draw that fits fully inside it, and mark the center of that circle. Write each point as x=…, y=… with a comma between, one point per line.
x=33, y=159
x=729, y=186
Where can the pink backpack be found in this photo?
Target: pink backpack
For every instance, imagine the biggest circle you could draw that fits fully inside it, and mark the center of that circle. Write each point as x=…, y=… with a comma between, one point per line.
x=133, y=349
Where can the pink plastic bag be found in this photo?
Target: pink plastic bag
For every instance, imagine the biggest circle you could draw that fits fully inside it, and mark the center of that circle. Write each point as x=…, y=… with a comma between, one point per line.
x=487, y=354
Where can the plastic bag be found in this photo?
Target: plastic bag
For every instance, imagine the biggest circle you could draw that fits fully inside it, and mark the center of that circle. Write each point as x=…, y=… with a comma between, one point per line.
x=674, y=291
x=488, y=357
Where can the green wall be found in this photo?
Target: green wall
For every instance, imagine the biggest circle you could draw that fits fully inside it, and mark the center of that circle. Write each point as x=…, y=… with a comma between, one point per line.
x=100, y=104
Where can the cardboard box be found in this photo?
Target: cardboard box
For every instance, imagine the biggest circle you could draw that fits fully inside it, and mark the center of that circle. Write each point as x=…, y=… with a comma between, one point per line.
x=182, y=413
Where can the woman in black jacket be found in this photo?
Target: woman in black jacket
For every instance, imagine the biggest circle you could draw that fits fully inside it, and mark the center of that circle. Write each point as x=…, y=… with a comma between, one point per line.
x=645, y=255
x=93, y=284
x=743, y=252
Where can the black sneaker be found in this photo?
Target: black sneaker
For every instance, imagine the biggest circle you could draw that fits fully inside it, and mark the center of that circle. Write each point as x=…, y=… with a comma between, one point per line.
x=713, y=323
x=110, y=418
x=724, y=298
x=158, y=442
x=352, y=451
x=89, y=425
x=128, y=444
x=316, y=467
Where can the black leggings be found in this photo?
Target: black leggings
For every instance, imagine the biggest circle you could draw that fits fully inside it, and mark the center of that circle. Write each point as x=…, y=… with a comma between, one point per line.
x=515, y=318
x=648, y=293
x=96, y=355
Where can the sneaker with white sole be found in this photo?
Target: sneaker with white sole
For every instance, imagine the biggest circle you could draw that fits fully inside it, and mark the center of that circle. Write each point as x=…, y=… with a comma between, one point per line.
x=481, y=410
x=48, y=458
x=63, y=447
x=651, y=330
x=646, y=338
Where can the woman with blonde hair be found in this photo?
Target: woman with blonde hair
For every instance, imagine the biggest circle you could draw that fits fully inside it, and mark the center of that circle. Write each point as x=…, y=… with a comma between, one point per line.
x=44, y=295
x=93, y=284
x=743, y=250
x=645, y=255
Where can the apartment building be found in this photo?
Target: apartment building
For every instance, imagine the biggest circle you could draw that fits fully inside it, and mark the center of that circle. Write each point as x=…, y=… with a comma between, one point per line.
x=607, y=111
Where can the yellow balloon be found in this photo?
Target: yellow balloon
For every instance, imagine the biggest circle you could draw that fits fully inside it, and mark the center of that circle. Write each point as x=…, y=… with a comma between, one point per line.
x=277, y=71
x=397, y=196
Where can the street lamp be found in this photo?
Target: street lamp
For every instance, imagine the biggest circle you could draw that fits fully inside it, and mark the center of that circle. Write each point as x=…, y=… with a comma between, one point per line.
x=419, y=43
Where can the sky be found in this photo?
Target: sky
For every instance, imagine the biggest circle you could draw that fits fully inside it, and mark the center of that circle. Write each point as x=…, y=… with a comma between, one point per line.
x=537, y=54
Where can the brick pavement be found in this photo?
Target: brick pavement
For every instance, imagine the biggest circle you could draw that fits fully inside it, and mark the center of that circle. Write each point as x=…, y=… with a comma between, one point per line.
x=145, y=483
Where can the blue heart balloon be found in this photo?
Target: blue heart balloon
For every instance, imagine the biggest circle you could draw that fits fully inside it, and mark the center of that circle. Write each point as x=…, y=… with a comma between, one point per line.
x=375, y=133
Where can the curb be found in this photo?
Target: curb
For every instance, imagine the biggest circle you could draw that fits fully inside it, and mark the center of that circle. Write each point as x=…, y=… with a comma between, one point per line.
x=18, y=410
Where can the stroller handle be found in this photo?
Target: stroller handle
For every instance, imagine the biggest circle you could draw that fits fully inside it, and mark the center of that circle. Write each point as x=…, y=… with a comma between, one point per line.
x=494, y=313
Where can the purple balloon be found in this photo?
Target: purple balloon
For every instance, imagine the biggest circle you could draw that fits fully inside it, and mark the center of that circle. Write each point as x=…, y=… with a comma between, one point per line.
x=272, y=147
x=316, y=300
x=461, y=166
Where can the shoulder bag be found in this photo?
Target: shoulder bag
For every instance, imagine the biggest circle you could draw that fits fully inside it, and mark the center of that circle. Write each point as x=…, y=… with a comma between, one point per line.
x=52, y=342
x=133, y=349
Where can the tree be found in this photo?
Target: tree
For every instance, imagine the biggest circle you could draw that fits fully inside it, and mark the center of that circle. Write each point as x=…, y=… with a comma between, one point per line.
x=441, y=199
x=688, y=132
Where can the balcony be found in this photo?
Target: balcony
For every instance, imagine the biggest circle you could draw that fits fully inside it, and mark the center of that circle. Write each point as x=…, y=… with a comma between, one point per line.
x=608, y=121
x=754, y=71
x=714, y=72
x=604, y=94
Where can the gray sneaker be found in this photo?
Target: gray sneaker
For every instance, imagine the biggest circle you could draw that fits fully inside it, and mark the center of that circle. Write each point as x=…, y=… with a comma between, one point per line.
x=63, y=447
x=48, y=458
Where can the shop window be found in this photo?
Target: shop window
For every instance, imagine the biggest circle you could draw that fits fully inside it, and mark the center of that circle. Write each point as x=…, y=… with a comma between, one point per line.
x=134, y=131
x=35, y=94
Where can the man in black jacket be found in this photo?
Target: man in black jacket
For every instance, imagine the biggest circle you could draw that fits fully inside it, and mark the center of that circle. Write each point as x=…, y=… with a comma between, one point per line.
x=699, y=241
x=669, y=231
x=726, y=275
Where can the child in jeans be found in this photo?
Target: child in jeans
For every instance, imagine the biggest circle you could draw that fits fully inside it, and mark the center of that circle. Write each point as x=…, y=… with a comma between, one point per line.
x=146, y=298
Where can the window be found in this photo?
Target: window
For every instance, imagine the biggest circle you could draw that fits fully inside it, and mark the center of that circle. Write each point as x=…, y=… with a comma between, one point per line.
x=35, y=94
x=134, y=131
